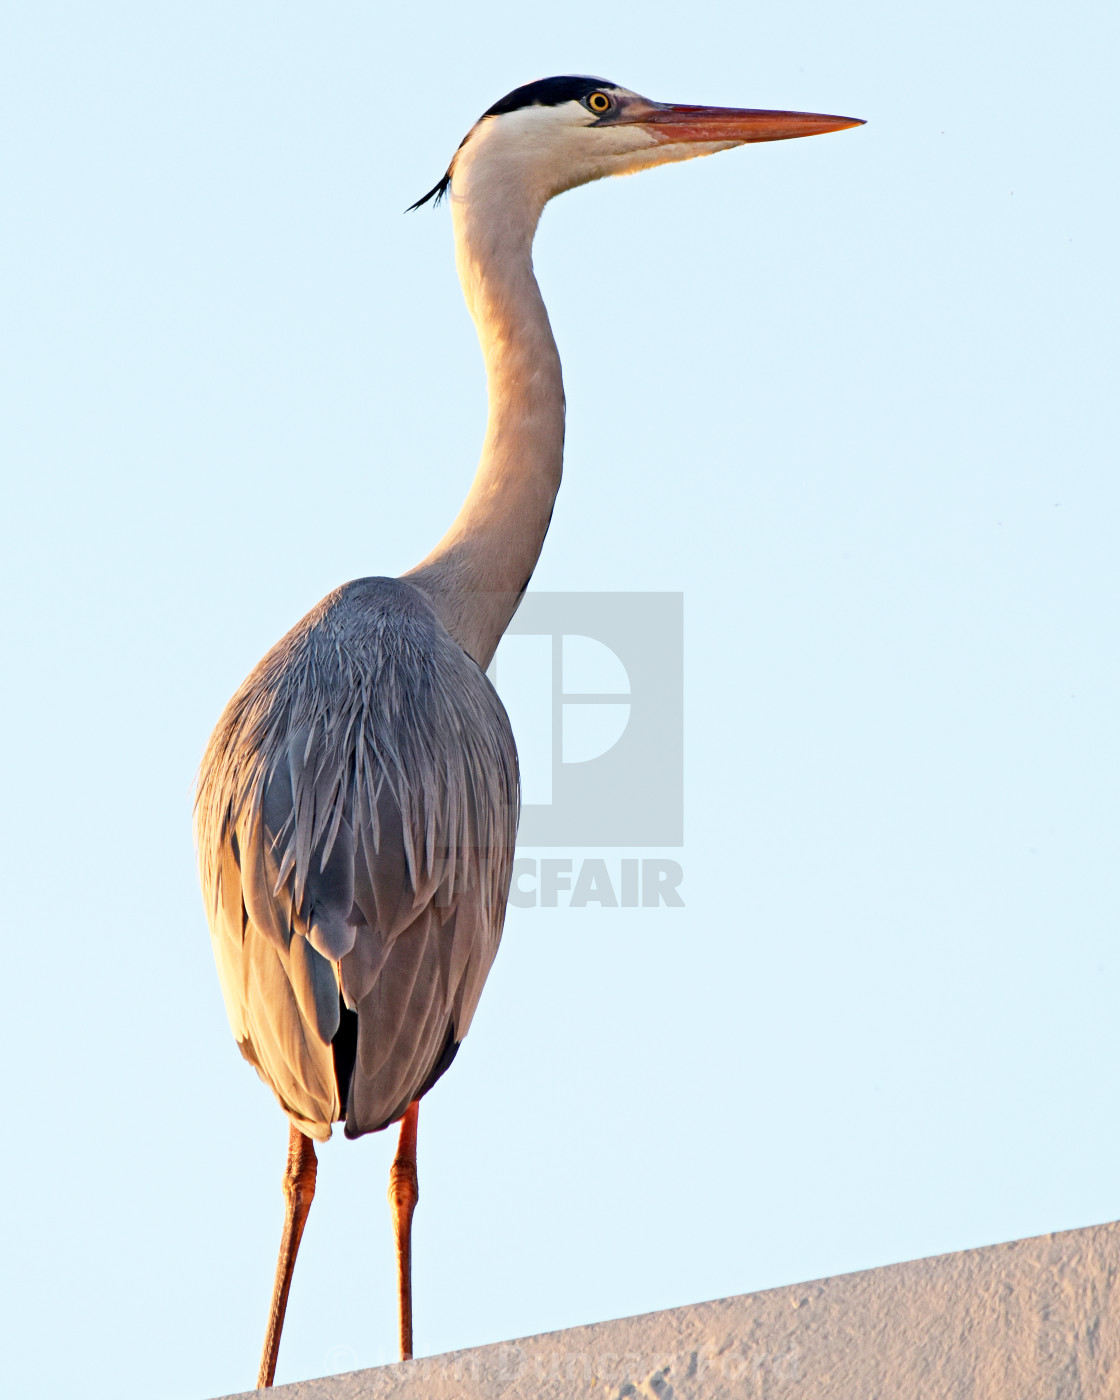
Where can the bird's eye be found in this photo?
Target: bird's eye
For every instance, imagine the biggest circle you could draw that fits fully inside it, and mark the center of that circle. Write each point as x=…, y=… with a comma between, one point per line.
x=599, y=102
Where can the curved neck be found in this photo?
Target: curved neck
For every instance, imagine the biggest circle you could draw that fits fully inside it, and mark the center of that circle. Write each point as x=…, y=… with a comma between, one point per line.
x=476, y=574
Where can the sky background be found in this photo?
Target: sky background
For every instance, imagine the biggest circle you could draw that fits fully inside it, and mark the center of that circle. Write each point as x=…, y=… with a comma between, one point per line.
x=853, y=396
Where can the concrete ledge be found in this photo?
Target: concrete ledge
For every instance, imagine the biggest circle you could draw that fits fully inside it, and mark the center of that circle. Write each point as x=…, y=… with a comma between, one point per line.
x=1037, y=1319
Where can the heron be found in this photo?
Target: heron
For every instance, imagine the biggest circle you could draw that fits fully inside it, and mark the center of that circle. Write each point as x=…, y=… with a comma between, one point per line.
x=357, y=803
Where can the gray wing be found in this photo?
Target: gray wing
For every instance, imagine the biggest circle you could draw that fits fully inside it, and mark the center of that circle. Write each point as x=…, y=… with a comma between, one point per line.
x=356, y=819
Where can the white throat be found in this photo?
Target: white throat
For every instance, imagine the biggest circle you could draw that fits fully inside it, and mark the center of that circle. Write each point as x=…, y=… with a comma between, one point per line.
x=478, y=571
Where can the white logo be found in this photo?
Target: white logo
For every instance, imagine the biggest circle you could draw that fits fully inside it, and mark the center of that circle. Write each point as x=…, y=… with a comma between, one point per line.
x=593, y=687
x=564, y=708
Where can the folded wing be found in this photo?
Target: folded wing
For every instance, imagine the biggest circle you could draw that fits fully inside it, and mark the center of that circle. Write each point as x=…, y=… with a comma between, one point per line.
x=356, y=817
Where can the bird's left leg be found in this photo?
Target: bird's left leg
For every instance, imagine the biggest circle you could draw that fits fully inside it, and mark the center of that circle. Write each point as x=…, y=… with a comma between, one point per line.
x=299, y=1192
x=404, y=1192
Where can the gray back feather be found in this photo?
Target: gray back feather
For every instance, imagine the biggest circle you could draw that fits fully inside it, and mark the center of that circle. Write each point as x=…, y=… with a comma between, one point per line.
x=356, y=817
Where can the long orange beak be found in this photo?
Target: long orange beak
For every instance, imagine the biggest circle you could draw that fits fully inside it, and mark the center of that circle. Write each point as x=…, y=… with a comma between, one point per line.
x=740, y=124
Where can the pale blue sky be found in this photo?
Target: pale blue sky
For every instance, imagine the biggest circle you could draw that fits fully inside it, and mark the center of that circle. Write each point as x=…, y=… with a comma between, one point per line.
x=854, y=396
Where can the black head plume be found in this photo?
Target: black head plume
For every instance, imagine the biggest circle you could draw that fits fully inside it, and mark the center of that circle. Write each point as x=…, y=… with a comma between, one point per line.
x=546, y=92
x=436, y=193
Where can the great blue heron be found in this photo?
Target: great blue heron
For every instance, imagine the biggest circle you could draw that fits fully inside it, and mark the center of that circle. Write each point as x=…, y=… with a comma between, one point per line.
x=357, y=803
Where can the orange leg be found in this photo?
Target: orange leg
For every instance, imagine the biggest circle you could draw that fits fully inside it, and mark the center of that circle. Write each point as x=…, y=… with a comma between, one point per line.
x=404, y=1192
x=299, y=1192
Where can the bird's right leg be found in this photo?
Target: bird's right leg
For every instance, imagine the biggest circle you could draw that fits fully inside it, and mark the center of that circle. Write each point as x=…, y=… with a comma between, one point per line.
x=404, y=1192
x=299, y=1192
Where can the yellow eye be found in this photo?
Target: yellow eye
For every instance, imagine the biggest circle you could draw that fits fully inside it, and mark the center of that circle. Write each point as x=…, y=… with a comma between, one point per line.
x=599, y=102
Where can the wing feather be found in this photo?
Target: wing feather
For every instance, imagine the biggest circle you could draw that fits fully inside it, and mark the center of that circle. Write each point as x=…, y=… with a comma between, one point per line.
x=291, y=1058
x=395, y=997
x=264, y=898
x=315, y=986
x=395, y=1050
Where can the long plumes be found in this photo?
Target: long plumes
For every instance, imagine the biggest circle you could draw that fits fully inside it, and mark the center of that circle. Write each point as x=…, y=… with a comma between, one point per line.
x=435, y=194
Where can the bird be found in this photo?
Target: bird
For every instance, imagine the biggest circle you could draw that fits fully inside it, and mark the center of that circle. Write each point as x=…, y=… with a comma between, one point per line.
x=356, y=806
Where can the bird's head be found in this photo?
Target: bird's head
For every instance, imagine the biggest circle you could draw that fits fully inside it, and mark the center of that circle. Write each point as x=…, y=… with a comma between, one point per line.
x=552, y=135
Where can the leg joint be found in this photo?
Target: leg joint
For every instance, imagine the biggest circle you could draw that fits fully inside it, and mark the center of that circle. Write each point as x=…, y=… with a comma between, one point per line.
x=300, y=1171
x=404, y=1187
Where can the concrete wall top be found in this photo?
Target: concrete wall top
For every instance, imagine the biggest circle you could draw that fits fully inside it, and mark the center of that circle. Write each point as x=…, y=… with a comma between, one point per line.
x=1036, y=1319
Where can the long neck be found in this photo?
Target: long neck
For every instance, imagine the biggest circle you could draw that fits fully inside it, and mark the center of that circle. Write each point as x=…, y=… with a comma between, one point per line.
x=476, y=574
